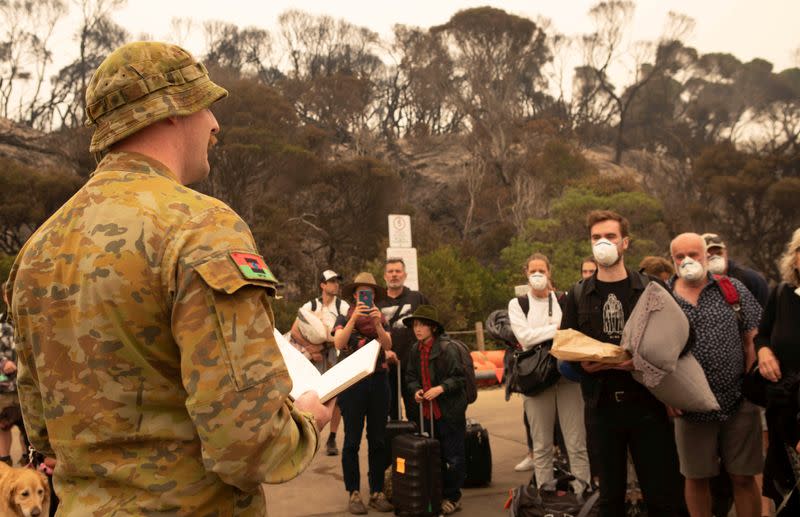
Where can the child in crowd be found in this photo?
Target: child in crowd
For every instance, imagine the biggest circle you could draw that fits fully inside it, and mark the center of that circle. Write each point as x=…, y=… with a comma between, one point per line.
x=436, y=377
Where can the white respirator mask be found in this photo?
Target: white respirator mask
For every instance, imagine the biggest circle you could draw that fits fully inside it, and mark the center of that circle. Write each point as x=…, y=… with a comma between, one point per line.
x=538, y=281
x=605, y=252
x=691, y=270
x=716, y=264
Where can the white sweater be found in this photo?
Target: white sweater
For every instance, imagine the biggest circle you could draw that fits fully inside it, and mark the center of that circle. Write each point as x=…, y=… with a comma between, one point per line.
x=538, y=327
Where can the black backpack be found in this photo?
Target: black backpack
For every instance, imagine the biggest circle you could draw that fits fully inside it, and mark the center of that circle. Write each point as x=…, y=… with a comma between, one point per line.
x=470, y=384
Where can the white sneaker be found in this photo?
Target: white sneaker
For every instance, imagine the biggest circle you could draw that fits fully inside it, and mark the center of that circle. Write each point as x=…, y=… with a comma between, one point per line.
x=525, y=464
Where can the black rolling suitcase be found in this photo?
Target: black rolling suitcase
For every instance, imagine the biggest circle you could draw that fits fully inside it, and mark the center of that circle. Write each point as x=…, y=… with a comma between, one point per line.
x=417, y=473
x=398, y=427
x=478, y=455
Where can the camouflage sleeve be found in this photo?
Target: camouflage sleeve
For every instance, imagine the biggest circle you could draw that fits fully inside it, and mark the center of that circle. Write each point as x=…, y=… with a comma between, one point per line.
x=30, y=398
x=232, y=370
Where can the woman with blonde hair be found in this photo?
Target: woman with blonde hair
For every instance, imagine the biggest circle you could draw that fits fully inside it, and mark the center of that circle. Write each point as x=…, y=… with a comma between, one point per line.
x=778, y=346
x=535, y=318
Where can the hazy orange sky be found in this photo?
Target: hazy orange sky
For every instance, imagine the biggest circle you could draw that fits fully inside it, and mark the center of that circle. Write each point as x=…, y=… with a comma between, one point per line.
x=747, y=29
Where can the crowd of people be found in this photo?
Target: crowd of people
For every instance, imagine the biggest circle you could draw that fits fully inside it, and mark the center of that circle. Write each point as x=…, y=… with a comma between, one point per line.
x=414, y=370
x=607, y=417
x=600, y=415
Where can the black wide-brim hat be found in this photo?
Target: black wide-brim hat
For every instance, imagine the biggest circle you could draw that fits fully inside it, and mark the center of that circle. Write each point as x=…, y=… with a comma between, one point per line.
x=425, y=313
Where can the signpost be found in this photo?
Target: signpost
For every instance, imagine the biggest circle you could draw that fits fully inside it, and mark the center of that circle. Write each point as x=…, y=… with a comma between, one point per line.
x=521, y=290
x=400, y=246
x=399, y=231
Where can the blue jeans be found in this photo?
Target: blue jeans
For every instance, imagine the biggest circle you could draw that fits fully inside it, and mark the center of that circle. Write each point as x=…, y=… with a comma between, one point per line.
x=369, y=399
x=451, y=436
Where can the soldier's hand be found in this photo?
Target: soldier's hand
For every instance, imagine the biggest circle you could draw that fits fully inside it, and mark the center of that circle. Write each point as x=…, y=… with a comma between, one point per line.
x=309, y=403
x=9, y=367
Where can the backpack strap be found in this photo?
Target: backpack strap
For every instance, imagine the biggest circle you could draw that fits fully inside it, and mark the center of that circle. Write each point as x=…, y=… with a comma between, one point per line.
x=314, y=304
x=731, y=295
x=524, y=304
x=338, y=305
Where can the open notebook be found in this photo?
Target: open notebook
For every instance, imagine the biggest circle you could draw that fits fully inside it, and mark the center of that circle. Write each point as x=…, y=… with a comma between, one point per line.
x=341, y=376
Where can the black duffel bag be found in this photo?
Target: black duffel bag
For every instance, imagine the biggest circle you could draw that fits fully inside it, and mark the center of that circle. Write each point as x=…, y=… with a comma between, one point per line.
x=528, y=501
x=533, y=370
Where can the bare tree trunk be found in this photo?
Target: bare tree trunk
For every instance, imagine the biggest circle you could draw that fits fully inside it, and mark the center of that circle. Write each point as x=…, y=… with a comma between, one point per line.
x=474, y=171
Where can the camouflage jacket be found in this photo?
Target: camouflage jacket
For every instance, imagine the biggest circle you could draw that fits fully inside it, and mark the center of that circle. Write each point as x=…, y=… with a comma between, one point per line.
x=147, y=360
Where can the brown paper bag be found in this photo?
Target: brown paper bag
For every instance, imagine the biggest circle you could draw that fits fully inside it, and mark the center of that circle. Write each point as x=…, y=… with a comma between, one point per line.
x=571, y=345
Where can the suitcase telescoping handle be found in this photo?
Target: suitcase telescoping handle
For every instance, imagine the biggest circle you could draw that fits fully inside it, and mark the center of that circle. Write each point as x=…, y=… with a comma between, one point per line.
x=422, y=419
x=399, y=394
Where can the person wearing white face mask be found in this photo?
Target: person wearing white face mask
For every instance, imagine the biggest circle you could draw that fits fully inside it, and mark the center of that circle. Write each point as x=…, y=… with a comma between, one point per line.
x=534, y=320
x=719, y=263
x=622, y=414
x=725, y=350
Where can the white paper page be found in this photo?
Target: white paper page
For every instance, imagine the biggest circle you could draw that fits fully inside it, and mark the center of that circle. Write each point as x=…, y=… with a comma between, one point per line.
x=304, y=374
x=341, y=376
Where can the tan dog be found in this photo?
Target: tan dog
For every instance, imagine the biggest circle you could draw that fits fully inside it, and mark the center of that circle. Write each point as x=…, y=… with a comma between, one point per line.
x=23, y=492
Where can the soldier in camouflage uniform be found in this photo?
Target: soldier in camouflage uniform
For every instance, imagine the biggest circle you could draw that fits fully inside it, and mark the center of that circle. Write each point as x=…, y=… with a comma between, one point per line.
x=143, y=320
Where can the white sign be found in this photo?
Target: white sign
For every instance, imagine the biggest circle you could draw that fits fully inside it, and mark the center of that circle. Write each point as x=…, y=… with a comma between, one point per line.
x=521, y=290
x=399, y=231
x=409, y=256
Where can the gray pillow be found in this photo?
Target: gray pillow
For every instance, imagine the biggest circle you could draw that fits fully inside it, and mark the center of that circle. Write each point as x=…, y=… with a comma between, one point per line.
x=686, y=388
x=655, y=334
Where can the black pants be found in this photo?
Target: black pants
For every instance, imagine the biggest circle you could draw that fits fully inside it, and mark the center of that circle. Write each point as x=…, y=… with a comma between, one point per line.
x=451, y=436
x=368, y=401
x=778, y=473
x=528, y=438
x=645, y=429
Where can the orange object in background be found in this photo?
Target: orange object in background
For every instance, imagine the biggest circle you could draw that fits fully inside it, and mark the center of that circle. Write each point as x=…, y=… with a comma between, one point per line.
x=495, y=357
x=478, y=357
x=486, y=373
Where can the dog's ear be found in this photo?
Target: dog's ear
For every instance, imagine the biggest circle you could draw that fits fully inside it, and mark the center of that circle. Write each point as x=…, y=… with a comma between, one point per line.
x=11, y=494
x=46, y=501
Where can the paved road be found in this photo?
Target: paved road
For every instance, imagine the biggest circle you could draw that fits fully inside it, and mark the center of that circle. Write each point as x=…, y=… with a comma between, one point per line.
x=320, y=490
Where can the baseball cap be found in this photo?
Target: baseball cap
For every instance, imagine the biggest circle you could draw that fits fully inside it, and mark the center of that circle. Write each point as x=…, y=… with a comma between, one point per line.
x=713, y=241
x=328, y=275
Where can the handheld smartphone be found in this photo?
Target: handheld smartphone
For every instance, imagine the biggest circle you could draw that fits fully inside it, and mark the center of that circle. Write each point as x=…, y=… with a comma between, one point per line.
x=365, y=297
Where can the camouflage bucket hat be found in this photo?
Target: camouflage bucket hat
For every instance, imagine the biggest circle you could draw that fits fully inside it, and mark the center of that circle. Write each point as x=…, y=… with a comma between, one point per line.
x=141, y=83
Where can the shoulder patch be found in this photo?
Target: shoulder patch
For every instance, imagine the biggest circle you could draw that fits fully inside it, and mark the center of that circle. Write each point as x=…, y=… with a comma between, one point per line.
x=252, y=266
